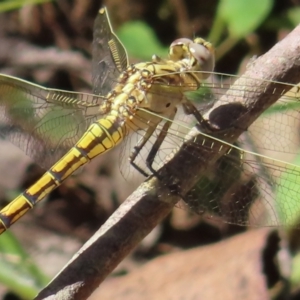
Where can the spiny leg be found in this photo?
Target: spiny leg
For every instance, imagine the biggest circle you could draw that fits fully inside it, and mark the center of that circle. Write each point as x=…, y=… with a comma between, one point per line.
x=156, y=146
x=158, y=142
x=174, y=184
x=138, y=147
x=190, y=109
x=154, y=149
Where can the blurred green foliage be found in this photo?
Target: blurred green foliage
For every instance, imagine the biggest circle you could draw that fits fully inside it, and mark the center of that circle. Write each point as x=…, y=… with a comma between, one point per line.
x=134, y=34
x=7, y=5
x=233, y=21
x=238, y=19
x=17, y=270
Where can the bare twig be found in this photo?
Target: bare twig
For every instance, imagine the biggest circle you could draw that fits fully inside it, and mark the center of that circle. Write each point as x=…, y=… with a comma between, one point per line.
x=152, y=201
x=21, y=54
x=183, y=25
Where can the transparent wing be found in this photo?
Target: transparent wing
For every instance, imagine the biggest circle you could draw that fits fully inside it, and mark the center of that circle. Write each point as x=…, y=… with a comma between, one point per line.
x=109, y=55
x=257, y=181
x=44, y=123
x=274, y=132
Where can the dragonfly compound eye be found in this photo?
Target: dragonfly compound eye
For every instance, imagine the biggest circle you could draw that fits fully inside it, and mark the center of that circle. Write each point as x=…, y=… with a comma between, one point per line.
x=203, y=53
x=179, y=49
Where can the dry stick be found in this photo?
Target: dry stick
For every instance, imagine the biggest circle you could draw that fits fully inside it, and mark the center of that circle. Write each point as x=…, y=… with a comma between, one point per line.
x=144, y=209
x=184, y=27
x=20, y=54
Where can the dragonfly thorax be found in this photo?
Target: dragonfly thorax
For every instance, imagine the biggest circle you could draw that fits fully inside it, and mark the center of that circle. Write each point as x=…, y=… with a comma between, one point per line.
x=158, y=86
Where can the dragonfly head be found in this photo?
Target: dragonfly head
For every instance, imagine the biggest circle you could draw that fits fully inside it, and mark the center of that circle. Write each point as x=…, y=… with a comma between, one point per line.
x=199, y=54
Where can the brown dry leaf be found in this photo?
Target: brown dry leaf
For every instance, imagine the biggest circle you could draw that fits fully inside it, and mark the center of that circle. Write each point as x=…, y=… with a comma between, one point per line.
x=231, y=269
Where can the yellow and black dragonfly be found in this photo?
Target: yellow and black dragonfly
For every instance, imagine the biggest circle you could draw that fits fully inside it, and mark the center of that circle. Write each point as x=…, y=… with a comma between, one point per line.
x=62, y=130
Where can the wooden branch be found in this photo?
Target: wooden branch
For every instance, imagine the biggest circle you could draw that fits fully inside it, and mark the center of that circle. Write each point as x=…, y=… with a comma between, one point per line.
x=152, y=201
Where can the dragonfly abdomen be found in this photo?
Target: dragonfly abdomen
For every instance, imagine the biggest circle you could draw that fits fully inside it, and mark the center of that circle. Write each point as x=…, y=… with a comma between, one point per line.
x=101, y=136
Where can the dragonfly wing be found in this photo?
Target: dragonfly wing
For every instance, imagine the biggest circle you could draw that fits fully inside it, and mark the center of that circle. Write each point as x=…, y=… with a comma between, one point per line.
x=243, y=187
x=44, y=123
x=109, y=55
x=273, y=132
x=256, y=181
x=246, y=189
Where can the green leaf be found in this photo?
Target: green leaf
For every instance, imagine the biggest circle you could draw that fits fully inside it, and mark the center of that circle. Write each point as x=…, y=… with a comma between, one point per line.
x=293, y=15
x=17, y=4
x=140, y=40
x=282, y=108
x=295, y=276
x=243, y=17
x=17, y=271
x=287, y=196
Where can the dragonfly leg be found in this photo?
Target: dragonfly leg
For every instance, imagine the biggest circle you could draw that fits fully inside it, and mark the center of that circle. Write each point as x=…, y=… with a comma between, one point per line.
x=158, y=142
x=190, y=109
x=138, y=147
x=156, y=146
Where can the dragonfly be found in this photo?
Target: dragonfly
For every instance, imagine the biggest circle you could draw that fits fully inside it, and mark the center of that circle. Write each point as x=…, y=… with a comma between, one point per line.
x=63, y=130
